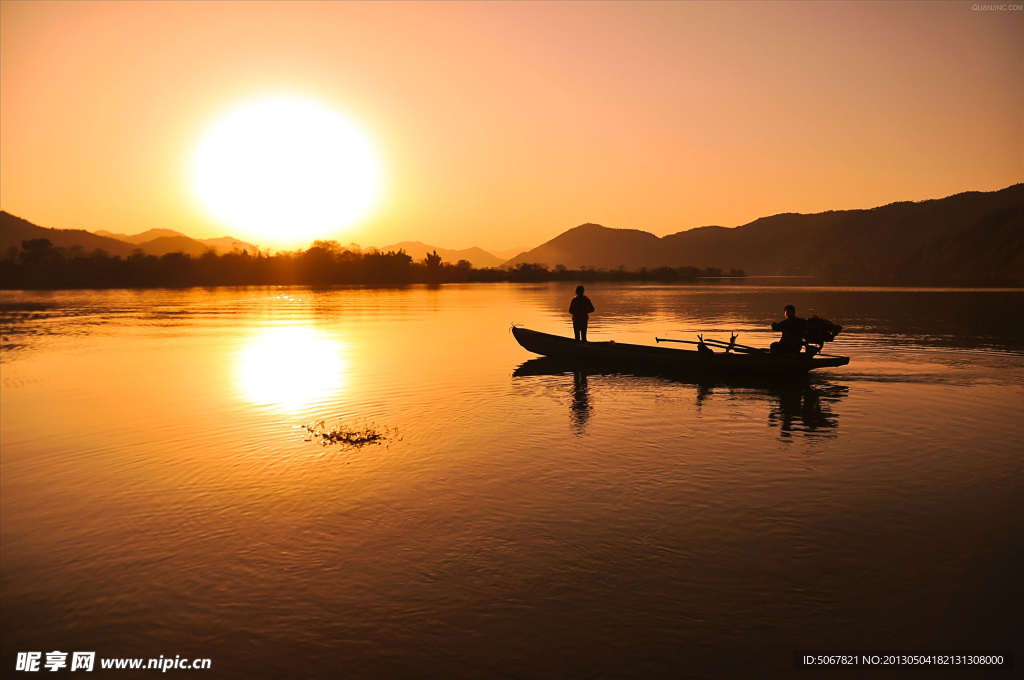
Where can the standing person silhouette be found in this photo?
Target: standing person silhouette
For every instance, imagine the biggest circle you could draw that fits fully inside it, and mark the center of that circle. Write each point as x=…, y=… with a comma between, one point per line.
x=580, y=308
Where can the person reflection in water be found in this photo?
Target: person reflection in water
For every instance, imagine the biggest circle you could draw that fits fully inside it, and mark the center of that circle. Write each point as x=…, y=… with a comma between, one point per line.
x=581, y=308
x=806, y=409
x=579, y=411
x=792, y=329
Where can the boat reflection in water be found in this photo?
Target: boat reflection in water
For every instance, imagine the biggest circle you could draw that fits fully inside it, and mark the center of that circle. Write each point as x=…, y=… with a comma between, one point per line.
x=799, y=406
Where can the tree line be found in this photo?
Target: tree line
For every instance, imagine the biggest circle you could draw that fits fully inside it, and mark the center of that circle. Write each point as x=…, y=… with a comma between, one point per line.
x=38, y=264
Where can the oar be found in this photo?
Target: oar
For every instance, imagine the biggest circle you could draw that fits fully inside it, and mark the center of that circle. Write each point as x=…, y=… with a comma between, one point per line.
x=731, y=344
x=739, y=348
x=682, y=342
x=735, y=346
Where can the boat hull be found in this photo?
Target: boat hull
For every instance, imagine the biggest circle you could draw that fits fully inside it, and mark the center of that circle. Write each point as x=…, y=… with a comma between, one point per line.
x=669, y=359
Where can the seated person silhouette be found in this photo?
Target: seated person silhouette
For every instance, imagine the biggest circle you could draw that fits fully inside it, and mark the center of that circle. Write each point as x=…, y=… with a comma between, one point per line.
x=792, y=329
x=581, y=307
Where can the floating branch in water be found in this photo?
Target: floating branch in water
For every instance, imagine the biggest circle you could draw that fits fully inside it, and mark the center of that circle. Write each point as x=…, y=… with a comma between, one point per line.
x=347, y=435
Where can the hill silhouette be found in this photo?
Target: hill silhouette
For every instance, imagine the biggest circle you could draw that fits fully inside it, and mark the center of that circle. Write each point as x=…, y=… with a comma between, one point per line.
x=14, y=230
x=159, y=242
x=227, y=244
x=142, y=237
x=150, y=241
x=974, y=236
x=478, y=257
x=507, y=254
x=593, y=245
x=174, y=244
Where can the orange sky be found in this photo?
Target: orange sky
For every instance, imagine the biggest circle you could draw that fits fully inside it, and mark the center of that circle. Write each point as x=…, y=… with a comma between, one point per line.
x=503, y=124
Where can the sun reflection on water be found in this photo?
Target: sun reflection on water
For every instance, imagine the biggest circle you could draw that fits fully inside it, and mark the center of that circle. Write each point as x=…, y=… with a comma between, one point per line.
x=291, y=367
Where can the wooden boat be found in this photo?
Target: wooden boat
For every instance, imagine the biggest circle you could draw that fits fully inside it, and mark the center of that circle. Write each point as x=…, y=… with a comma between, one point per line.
x=756, y=363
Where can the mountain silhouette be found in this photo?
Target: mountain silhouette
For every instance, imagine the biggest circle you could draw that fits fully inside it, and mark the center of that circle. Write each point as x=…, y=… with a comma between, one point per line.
x=173, y=244
x=136, y=239
x=228, y=244
x=148, y=241
x=968, y=236
x=14, y=230
x=159, y=242
x=592, y=245
x=477, y=256
x=507, y=254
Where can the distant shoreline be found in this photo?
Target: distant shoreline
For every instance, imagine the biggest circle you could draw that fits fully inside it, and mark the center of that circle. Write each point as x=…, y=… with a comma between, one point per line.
x=40, y=265
x=822, y=283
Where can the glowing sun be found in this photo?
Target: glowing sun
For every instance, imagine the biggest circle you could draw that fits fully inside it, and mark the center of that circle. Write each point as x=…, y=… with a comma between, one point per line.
x=285, y=169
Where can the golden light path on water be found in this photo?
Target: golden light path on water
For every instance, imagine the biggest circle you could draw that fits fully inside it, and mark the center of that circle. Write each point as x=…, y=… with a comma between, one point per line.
x=290, y=367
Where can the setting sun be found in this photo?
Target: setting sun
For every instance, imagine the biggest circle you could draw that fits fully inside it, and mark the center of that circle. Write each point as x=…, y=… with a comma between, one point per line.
x=285, y=169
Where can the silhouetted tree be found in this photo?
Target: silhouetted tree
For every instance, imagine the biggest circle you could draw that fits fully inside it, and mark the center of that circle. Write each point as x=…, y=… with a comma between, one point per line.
x=38, y=250
x=38, y=264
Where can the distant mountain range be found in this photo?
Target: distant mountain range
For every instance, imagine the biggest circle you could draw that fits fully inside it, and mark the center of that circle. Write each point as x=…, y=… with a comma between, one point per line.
x=14, y=230
x=969, y=236
x=147, y=235
x=973, y=236
x=479, y=257
x=161, y=241
x=169, y=241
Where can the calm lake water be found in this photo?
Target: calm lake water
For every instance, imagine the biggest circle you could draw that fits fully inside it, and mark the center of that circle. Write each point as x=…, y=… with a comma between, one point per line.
x=157, y=498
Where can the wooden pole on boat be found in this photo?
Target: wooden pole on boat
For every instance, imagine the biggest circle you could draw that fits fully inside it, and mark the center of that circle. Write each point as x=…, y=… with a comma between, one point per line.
x=684, y=342
x=735, y=346
x=718, y=343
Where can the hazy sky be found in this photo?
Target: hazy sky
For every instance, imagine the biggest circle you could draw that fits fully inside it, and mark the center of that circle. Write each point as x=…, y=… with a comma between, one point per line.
x=503, y=124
